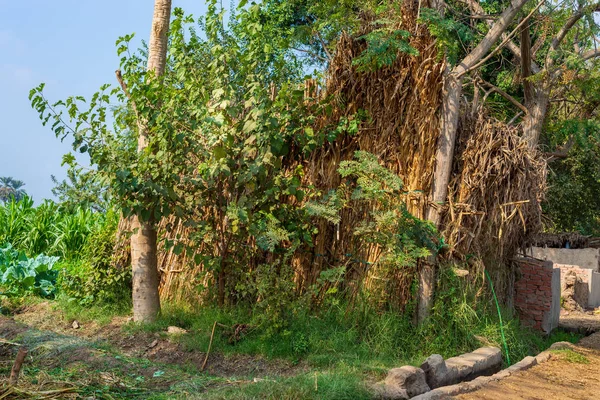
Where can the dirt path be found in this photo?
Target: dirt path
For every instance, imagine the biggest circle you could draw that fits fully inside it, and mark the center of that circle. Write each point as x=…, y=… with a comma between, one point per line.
x=107, y=362
x=156, y=347
x=573, y=375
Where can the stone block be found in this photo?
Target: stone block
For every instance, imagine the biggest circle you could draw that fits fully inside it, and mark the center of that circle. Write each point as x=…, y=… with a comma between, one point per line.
x=562, y=346
x=542, y=357
x=411, y=379
x=437, y=373
x=483, y=361
x=387, y=392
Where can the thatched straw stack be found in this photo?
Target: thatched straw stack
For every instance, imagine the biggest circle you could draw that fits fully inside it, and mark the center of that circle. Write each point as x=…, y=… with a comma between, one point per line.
x=496, y=192
x=402, y=101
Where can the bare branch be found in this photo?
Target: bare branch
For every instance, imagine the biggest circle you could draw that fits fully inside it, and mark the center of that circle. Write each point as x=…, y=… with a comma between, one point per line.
x=496, y=31
x=564, y=30
x=310, y=53
x=324, y=46
x=507, y=96
x=514, y=119
x=588, y=55
x=562, y=151
x=125, y=90
x=510, y=45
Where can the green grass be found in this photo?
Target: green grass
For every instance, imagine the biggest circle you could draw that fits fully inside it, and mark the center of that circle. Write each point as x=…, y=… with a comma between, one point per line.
x=100, y=313
x=339, y=354
x=571, y=356
x=370, y=343
x=337, y=385
x=343, y=348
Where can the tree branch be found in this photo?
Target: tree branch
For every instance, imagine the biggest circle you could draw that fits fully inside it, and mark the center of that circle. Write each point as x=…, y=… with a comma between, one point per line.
x=562, y=151
x=507, y=96
x=564, y=30
x=514, y=119
x=510, y=45
x=497, y=29
x=125, y=90
x=324, y=46
x=526, y=58
x=588, y=55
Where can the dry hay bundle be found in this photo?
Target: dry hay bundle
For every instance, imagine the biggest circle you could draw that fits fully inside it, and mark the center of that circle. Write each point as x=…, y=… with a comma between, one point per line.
x=402, y=103
x=495, y=196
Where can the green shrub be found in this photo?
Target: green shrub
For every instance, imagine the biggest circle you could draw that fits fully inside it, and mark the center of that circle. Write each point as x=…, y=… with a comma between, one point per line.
x=93, y=278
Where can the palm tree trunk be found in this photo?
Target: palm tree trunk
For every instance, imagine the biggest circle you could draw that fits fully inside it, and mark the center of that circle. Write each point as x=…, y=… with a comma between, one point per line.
x=146, y=299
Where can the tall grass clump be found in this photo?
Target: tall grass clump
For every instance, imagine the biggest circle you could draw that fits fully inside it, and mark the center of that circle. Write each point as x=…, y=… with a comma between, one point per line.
x=47, y=228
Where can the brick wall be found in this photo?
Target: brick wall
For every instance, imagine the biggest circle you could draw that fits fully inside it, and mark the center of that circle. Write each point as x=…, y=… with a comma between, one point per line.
x=537, y=294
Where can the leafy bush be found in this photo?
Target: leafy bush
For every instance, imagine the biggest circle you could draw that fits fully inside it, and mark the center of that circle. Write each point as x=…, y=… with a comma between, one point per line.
x=572, y=202
x=93, y=278
x=22, y=275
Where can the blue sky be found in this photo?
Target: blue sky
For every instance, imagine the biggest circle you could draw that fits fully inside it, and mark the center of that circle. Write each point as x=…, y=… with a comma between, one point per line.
x=69, y=45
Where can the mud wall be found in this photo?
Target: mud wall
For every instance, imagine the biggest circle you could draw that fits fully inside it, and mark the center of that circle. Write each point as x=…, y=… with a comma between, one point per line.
x=584, y=258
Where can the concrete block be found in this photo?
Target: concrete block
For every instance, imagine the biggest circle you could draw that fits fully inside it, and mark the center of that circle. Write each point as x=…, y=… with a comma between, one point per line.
x=562, y=346
x=476, y=384
x=585, y=258
x=594, y=286
x=523, y=365
x=483, y=361
x=445, y=392
x=493, y=358
x=551, y=318
x=542, y=357
x=502, y=374
x=462, y=365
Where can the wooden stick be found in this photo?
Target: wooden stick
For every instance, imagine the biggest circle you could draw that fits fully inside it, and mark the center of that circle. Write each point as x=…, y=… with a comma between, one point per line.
x=16, y=369
x=212, y=335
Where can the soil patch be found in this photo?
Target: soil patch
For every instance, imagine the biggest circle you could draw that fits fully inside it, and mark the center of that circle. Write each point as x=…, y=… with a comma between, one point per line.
x=156, y=347
x=585, y=322
x=561, y=377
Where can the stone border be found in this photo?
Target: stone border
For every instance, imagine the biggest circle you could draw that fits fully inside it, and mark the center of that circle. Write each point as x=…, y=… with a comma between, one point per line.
x=400, y=379
x=478, y=383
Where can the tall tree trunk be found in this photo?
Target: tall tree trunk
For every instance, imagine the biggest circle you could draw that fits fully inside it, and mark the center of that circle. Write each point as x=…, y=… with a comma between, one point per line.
x=146, y=299
x=447, y=141
x=533, y=122
x=536, y=95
